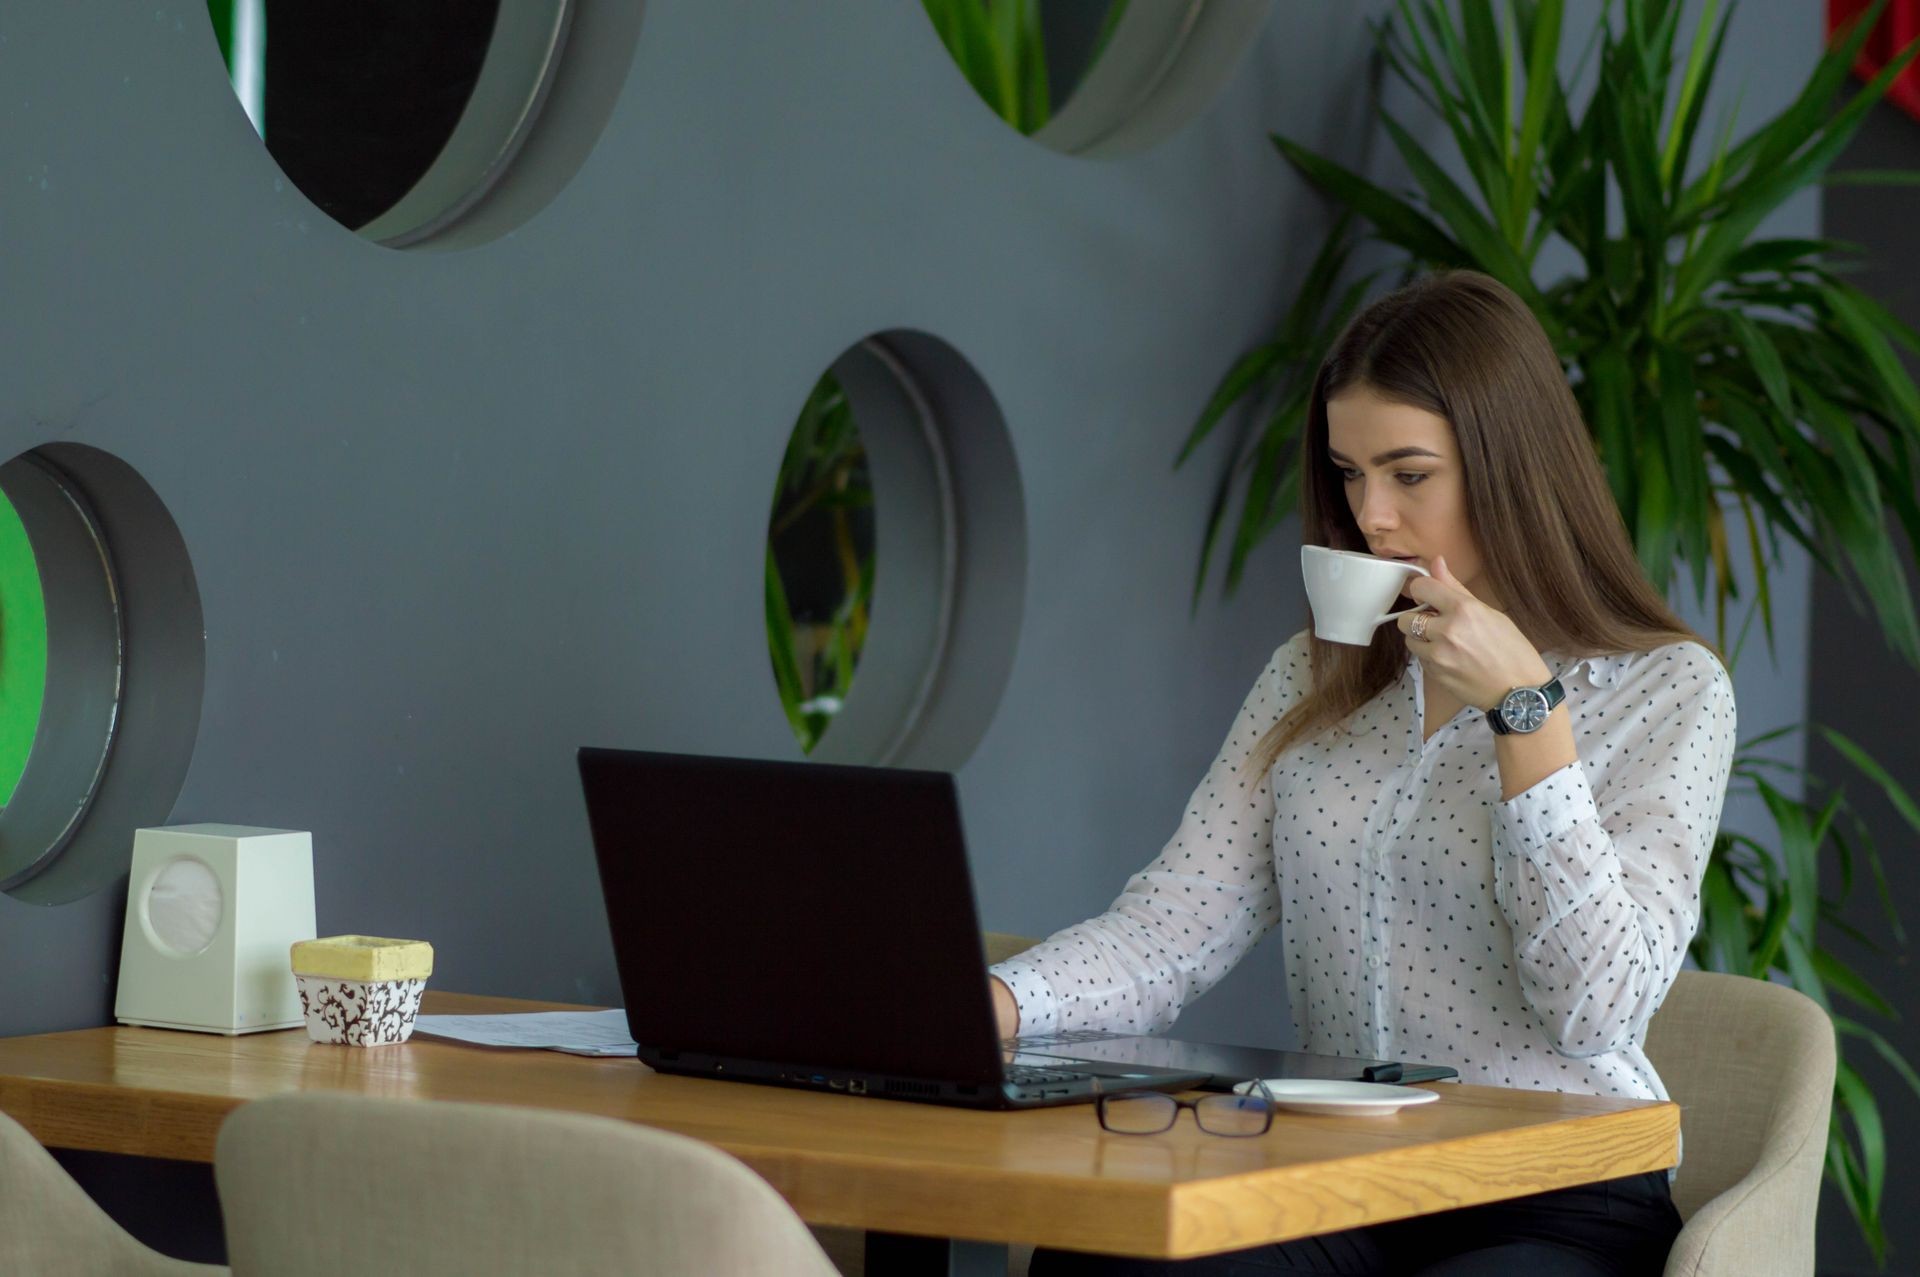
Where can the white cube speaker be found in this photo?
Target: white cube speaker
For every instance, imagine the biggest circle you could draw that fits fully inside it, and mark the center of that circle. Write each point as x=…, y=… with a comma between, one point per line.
x=212, y=911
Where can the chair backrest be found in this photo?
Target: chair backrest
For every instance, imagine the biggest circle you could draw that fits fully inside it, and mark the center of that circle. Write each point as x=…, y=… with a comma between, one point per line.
x=325, y=1184
x=1751, y=1066
x=49, y=1226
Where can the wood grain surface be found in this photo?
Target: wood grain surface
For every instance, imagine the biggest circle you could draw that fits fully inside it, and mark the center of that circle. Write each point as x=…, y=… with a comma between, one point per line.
x=1048, y=1176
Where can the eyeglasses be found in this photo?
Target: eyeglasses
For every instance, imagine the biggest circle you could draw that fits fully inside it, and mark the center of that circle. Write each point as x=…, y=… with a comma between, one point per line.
x=1151, y=1112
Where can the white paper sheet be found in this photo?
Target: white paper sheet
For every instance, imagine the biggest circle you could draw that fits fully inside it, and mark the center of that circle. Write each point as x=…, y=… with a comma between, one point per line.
x=575, y=1032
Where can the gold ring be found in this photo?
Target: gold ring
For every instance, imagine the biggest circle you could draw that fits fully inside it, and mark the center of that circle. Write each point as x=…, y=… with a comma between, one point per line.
x=1419, y=626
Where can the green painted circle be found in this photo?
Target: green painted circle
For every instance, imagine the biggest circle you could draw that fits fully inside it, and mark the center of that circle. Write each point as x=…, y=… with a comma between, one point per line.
x=23, y=649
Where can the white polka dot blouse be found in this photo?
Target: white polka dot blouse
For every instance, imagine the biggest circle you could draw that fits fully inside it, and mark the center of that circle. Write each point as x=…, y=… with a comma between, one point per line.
x=1526, y=943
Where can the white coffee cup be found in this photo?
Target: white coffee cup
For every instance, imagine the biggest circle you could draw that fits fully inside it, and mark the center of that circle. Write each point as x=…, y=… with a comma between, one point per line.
x=1350, y=592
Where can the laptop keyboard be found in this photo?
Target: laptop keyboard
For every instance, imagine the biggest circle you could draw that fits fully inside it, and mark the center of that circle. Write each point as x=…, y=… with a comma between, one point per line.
x=1034, y=1075
x=1064, y=1039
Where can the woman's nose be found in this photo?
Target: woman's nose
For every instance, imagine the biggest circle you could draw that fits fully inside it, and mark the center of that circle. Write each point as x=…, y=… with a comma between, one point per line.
x=1376, y=510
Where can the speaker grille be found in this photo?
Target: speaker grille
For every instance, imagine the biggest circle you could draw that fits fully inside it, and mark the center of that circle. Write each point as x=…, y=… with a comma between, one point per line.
x=184, y=905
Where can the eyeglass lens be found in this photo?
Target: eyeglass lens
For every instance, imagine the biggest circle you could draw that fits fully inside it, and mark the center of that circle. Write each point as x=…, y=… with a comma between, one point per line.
x=1138, y=1114
x=1147, y=1113
x=1233, y=1114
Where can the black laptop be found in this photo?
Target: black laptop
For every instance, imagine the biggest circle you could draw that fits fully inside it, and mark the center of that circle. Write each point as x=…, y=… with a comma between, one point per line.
x=813, y=925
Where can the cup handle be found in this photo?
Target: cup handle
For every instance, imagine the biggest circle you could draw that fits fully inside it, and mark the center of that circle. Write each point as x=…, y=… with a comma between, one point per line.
x=1394, y=616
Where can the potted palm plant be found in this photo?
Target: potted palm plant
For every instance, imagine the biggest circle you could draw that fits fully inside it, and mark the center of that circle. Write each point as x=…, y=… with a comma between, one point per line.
x=1727, y=377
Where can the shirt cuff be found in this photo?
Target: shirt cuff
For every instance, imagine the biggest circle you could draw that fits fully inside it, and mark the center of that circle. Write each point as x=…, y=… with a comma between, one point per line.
x=1537, y=818
x=1039, y=1005
x=1553, y=841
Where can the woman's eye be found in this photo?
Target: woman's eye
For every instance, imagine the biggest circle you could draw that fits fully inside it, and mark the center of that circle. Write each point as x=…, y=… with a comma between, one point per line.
x=1407, y=477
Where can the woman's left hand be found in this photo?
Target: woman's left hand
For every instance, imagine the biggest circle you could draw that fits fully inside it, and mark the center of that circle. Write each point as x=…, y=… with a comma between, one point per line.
x=1474, y=651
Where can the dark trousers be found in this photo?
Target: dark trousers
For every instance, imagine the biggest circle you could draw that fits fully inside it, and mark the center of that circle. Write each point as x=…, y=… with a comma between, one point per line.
x=1617, y=1228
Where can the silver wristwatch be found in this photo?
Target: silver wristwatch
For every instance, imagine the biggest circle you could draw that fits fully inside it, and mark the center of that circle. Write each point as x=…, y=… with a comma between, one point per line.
x=1525, y=709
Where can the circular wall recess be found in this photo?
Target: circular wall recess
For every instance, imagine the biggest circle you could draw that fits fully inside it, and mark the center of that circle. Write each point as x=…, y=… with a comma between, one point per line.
x=124, y=664
x=1099, y=77
x=948, y=580
x=397, y=120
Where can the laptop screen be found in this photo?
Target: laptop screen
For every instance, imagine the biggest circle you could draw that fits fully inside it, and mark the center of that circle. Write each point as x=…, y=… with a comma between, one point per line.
x=795, y=913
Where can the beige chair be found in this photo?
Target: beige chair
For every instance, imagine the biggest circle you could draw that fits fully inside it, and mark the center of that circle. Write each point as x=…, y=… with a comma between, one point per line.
x=318, y=1184
x=1751, y=1065
x=1001, y=946
x=49, y=1227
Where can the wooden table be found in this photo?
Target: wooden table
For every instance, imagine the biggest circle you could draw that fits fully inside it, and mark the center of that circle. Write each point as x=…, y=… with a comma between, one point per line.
x=1050, y=1176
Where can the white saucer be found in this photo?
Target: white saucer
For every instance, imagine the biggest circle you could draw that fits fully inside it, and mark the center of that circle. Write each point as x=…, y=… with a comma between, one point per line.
x=1349, y=1099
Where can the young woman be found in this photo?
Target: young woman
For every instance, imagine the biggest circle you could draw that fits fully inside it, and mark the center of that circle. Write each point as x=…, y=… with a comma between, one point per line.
x=1482, y=836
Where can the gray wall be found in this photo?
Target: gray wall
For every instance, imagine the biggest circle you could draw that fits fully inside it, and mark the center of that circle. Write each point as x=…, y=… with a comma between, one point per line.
x=1854, y=681
x=454, y=513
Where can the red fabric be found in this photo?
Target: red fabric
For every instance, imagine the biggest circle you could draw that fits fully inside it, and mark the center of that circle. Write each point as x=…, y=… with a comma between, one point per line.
x=1899, y=26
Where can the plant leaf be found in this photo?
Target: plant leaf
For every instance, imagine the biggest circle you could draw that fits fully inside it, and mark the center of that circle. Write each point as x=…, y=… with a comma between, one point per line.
x=1896, y=793
x=1542, y=84
x=1723, y=934
x=1654, y=534
x=1885, y=1049
x=1703, y=58
x=1491, y=253
x=1686, y=459
x=1765, y=358
x=1610, y=388
x=786, y=667
x=1796, y=856
x=1872, y=344
x=1845, y=979
x=1864, y=1111
x=1253, y=371
x=1397, y=221
x=1754, y=199
x=1771, y=143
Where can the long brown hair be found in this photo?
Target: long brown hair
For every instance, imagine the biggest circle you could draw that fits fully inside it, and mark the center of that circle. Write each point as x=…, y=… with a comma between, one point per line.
x=1462, y=346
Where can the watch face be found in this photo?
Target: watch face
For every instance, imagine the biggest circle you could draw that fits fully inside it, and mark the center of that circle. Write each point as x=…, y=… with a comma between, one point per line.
x=1524, y=709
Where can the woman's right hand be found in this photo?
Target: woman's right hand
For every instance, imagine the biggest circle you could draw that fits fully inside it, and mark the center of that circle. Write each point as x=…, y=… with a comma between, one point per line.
x=1006, y=1012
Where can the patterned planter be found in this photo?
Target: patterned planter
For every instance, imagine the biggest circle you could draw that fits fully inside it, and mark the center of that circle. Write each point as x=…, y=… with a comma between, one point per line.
x=359, y=1012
